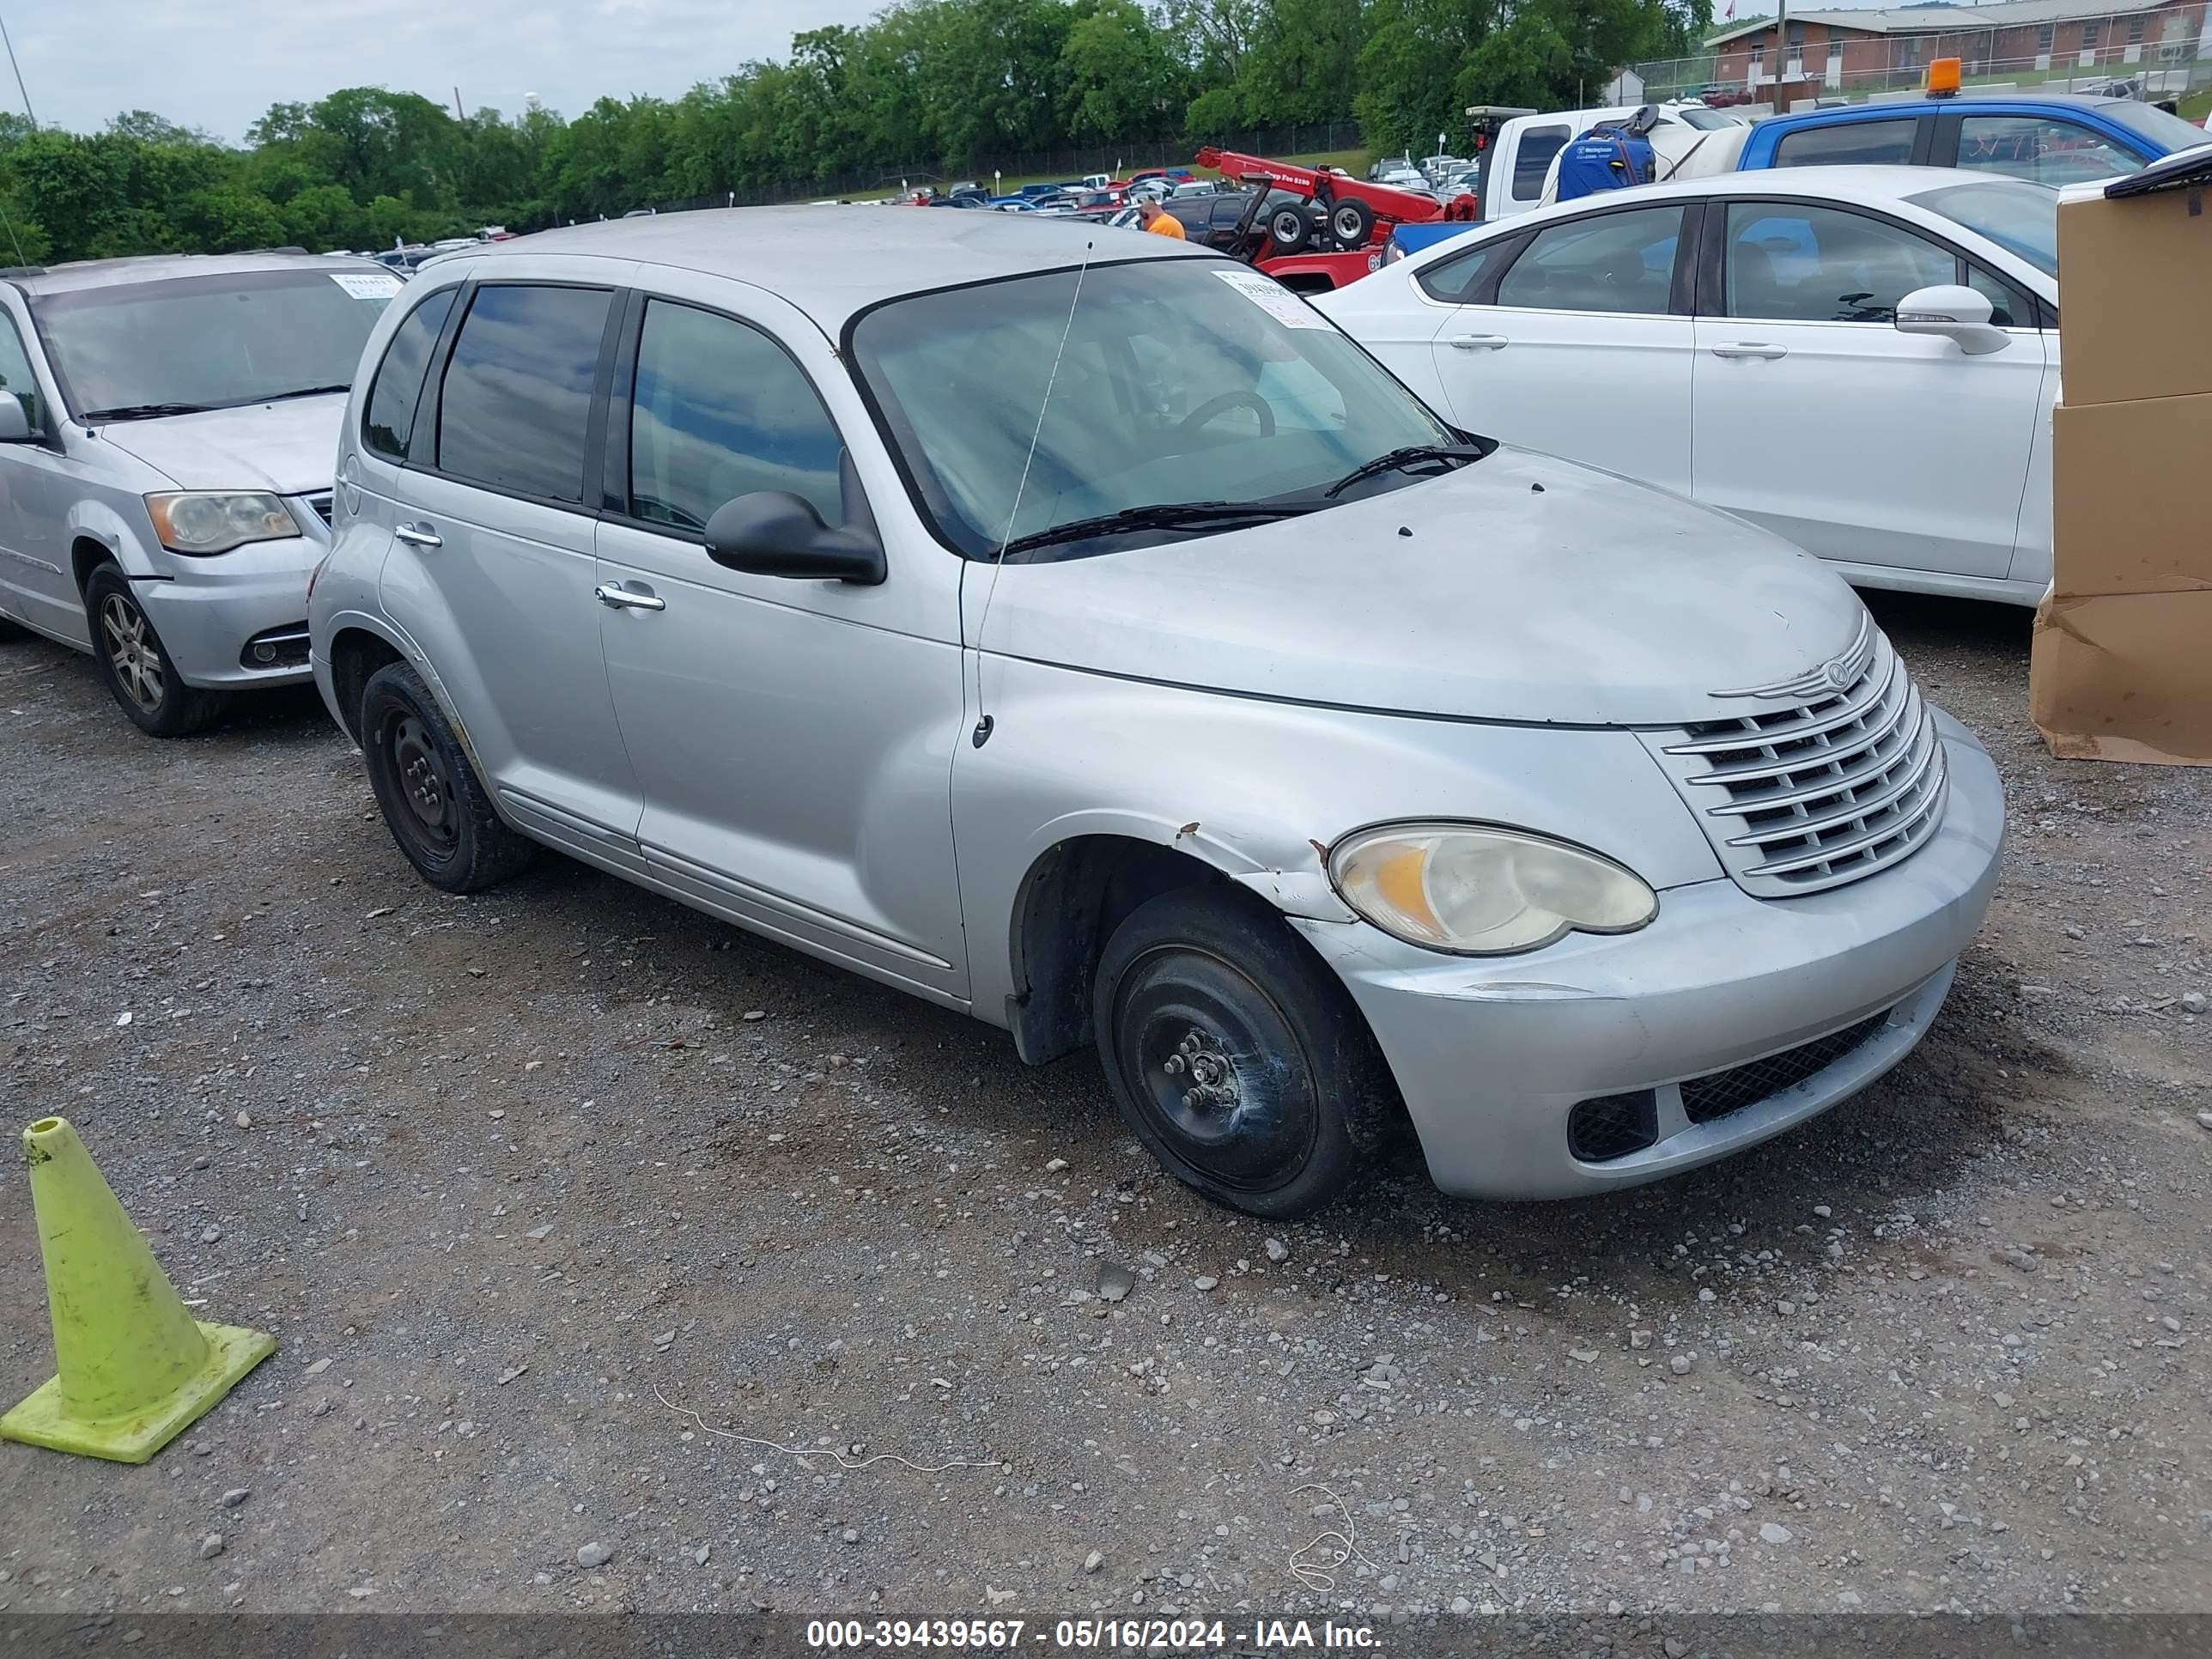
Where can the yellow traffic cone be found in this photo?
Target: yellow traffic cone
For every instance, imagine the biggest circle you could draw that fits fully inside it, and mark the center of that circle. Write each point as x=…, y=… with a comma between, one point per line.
x=136, y=1369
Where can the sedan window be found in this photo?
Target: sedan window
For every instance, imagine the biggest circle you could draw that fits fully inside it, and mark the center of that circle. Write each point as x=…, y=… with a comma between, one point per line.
x=2041, y=150
x=1793, y=263
x=1611, y=262
x=1458, y=281
x=720, y=411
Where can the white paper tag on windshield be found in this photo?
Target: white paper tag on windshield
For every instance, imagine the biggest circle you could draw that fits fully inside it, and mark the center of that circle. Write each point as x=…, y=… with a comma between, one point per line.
x=365, y=284
x=1271, y=297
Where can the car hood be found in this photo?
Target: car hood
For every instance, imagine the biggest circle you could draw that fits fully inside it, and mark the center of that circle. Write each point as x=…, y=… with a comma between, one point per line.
x=291, y=448
x=1519, y=589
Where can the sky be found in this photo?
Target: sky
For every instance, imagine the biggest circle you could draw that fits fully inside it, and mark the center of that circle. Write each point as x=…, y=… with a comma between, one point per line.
x=219, y=64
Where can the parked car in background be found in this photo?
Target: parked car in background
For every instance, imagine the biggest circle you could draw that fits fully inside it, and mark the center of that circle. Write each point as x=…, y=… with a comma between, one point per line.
x=2046, y=138
x=166, y=444
x=1383, y=166
x=1548, y=840
x=1519, y=159
x=1860, y=359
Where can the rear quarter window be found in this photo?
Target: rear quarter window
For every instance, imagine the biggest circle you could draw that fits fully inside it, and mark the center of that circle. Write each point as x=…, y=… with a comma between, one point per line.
x=394, y=394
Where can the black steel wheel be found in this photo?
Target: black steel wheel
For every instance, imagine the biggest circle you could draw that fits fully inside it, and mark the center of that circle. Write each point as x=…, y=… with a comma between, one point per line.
x=1235, y=1055
x=433, y=802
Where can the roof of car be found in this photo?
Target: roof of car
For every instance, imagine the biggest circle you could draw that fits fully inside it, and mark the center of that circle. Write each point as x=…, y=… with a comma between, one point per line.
x=1862, y=181
x=158, y=267
x=834, y=262
x=1926, y=106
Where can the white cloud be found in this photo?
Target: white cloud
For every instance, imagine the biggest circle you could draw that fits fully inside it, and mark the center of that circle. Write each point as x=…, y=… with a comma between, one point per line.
x=221, y=64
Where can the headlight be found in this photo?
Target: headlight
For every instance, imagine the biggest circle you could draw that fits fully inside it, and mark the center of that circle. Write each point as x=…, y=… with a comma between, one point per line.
x=204, y=521
x=1472, y=889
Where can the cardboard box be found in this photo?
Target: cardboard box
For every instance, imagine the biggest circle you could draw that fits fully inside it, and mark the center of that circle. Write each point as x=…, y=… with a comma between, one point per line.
x=2134, y=276
x=2122, y=663
x=2124, y=677
x=2119, y=524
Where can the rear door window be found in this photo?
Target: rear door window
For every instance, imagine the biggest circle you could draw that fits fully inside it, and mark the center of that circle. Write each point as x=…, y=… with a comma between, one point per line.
x=1848, y=143
x=1617, y=262
x=398, y=388
x=518, y=393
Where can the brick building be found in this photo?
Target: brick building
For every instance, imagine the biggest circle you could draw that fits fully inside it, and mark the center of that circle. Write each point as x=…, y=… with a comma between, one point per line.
x=1833, y=50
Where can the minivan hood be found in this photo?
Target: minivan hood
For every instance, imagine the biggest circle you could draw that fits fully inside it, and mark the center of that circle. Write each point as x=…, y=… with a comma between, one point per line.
x=1518, y=588
x=291, y=448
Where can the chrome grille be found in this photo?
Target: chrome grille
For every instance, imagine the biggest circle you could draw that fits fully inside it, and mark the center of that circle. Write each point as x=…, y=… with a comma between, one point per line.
x=322, y=505
x=1818, y=791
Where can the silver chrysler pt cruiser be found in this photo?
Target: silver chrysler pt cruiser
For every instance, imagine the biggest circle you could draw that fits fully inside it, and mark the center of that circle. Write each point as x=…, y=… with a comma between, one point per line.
x=1078, y=631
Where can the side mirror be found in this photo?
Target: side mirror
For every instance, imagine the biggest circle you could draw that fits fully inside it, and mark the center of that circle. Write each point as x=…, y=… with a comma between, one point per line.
x=1955, y=313
x=14, y=424
x=773, y=532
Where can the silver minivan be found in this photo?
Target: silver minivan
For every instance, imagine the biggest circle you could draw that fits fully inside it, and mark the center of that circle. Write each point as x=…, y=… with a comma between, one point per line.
x=1098, y=642
x=165, y=463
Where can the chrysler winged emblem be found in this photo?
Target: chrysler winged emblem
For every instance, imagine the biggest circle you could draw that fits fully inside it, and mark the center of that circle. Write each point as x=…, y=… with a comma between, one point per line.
x=1838, y=673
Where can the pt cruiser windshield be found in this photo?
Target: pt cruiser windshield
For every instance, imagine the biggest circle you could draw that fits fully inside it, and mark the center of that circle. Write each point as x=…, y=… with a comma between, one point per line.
x=1190, y=397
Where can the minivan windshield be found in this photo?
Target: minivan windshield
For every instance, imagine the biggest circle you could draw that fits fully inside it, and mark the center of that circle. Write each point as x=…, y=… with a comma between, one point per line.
x=2019, y=217
x=177, y=344
x=1183, y=383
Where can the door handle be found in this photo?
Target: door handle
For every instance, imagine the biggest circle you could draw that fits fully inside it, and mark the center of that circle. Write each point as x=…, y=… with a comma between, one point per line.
x=1750, y=349
x=1478, y=341
x=419, y=535
x=621, y=599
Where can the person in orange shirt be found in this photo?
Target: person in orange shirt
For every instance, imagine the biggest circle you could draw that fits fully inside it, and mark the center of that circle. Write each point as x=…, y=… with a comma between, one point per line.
x=1158, y=220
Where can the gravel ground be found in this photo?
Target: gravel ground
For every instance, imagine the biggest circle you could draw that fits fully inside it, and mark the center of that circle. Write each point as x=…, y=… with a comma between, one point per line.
x=521, y=1181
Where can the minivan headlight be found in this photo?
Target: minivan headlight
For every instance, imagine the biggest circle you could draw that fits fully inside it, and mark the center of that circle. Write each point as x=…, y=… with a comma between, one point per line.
x=1475, y=889
x=209, y=521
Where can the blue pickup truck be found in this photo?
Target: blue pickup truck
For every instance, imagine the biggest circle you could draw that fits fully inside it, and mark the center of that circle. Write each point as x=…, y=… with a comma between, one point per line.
x=2050, y=138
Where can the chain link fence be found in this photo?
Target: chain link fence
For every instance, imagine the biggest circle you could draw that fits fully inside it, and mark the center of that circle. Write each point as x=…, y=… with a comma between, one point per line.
x=2157, y=52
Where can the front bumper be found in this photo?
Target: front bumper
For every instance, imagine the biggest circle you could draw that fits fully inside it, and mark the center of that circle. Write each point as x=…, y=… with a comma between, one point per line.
x=207, y=610
x=1493, y=1054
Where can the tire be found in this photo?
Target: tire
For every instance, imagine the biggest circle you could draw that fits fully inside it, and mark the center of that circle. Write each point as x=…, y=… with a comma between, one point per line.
x=1352, y=222
x=1288, y=227
x=435, y=804
x=1202, y=989
x=136, y=665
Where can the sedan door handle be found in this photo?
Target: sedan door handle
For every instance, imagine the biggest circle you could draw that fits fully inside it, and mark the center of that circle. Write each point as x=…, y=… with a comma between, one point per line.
x=419, y=535
x=1750, y=349
x=621, y=599
x=1478, y=342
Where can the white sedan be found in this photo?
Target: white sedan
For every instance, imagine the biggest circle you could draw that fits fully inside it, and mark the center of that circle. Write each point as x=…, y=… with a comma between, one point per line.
x=1862, y=359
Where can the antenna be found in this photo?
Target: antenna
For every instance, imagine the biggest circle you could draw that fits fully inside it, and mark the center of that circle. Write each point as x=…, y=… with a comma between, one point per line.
x=983, y=720
x=18, y=67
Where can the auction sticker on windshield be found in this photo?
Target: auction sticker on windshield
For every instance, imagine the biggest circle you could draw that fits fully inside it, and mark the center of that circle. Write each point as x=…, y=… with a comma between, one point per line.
x=1271, y=297
x=365, y=284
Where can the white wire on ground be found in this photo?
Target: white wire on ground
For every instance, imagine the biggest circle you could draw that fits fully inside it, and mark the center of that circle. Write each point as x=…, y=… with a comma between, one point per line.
x=843, y=1461
x=1322, y=1575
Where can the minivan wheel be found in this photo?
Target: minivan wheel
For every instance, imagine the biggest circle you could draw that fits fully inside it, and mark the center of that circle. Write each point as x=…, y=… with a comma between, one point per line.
x=1235, y=1055
x=434, y=803
x=136, y=665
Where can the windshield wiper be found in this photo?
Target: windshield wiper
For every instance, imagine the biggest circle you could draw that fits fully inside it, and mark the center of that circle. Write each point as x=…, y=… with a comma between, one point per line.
x=143, y=411
x=1411, y=455
x=304, y=391
x=1166, y=515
